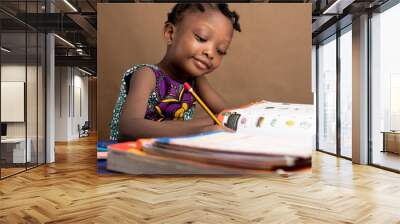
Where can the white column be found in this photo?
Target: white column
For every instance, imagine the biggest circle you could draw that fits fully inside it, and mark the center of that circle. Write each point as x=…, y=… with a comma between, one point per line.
x=360, y=90
x=50, y=110
x=50, y=92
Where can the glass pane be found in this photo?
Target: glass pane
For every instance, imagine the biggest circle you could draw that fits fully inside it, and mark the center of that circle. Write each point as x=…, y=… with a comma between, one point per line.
x=23, y=88
x=41, y=99
x=32, y=84
x=327, y=96
x=395, y=101
x=31, y=97
x=386, y=89
x=13, y=87
x=346, y=93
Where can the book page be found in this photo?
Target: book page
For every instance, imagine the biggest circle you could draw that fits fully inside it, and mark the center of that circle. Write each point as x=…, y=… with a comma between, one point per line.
x=267, y=117
x=298, y=145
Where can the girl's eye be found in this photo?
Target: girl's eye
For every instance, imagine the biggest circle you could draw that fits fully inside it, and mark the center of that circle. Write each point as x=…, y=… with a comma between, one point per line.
x=221, y=52
x=200, y=38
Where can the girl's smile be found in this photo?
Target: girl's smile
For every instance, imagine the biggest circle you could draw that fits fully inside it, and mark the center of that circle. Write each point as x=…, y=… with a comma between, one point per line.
x=202, y=63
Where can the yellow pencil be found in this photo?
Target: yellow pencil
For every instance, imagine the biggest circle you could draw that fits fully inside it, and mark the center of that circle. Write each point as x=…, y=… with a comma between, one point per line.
x=202, y=104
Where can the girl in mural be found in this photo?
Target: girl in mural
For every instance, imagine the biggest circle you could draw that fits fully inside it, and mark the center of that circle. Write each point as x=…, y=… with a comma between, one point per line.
x=152, y=100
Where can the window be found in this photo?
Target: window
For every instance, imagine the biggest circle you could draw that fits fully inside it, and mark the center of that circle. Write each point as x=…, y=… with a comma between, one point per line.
x=346, y=92
x=385, y=86
x=327, y=95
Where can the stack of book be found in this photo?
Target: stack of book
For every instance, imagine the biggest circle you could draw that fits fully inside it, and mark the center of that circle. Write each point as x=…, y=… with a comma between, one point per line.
x=269, y=136
x=102, y=152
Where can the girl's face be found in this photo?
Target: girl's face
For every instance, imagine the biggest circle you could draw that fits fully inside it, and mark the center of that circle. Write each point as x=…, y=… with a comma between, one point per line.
x=200, y=41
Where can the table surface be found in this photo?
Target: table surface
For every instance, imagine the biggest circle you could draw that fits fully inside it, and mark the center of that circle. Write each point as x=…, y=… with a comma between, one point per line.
x=391, y=132
x=13, y=140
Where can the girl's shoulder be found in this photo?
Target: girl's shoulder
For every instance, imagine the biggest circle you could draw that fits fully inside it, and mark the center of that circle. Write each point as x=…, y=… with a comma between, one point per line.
x=127, y=76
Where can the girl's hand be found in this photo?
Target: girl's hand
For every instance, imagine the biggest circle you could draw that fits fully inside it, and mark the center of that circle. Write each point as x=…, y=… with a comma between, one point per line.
x=216, y=128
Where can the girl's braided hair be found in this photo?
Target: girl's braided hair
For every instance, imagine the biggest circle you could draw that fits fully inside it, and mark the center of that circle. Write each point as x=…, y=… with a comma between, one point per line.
x=175, y=15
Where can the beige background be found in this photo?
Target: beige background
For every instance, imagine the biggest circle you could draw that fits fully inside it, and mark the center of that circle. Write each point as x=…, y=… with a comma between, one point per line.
x=270, y=59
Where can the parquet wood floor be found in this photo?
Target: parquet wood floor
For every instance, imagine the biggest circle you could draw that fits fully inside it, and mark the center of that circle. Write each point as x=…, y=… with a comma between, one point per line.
x=9, y=171
x=70, y=191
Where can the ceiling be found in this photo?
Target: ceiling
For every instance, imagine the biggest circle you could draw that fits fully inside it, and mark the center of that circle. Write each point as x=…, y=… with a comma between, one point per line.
x=76, y=22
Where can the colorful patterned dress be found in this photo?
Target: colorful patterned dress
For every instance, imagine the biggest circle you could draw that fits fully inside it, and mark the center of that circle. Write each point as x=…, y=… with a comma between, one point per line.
x=168, y=100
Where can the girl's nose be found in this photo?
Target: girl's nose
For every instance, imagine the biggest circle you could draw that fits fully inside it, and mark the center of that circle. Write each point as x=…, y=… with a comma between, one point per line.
x=209, y=54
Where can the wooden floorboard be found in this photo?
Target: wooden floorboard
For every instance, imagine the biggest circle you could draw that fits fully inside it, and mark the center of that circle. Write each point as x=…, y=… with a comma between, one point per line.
x=70, y=191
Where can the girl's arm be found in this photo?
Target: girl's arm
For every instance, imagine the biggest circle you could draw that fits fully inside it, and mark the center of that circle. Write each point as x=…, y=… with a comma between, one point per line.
x=143, y=128
x=213, y=100
x=133, y=125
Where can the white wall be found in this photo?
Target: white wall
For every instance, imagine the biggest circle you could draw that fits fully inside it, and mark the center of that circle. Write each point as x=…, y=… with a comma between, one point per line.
x=61, y=103
x=80, y=103
x=70, y=83
x=12, y=73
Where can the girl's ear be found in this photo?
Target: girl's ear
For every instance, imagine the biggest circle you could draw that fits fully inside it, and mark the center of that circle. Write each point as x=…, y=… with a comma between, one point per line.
x=169, y=32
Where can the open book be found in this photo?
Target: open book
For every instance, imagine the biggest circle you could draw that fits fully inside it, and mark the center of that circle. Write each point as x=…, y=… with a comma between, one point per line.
x=268, y=136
